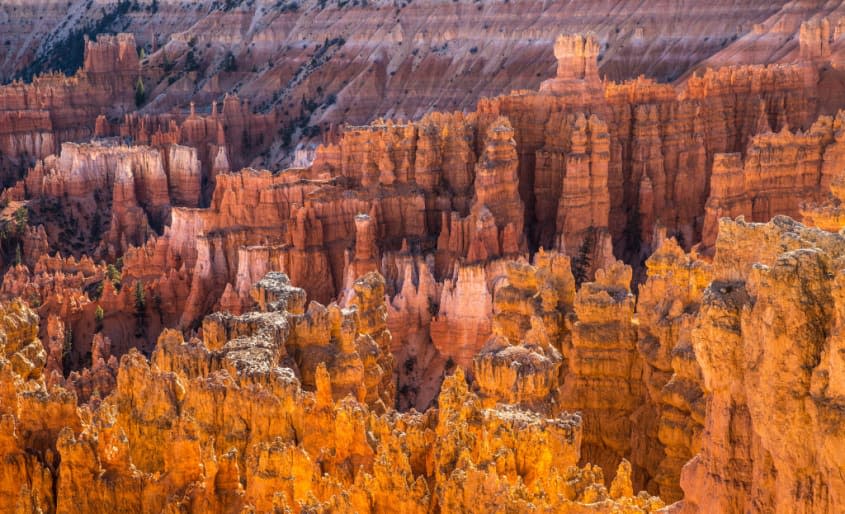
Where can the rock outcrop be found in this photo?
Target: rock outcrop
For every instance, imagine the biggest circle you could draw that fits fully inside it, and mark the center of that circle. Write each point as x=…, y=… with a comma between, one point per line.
x=32, y=415
x=538, y=281
x=762, y=337
x=464, y=319
x=604, y=376
x=672, y=418
x=224, y=139
x=577, y=69
x=35, y=118
x=589, y=176
x=826, y=213
x=780, y=172
x=189, y=430
x=99, y=198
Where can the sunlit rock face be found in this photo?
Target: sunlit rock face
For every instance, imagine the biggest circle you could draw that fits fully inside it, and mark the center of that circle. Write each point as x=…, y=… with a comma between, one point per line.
x=277, y=388
x=321, y=257
x=773, y=301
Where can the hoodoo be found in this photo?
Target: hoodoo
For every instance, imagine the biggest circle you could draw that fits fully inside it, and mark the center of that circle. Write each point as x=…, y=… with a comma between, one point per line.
x=366, y=257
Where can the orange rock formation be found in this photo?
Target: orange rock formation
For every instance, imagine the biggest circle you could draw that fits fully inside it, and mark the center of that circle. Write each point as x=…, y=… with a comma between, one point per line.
x=537, y=304
x=36, y=118
x=763, y=337
x=189, y=429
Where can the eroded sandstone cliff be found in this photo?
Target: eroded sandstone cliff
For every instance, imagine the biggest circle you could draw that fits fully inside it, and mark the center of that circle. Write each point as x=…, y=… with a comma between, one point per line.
x=768, y=314
x=535, y=303
x=36, y=117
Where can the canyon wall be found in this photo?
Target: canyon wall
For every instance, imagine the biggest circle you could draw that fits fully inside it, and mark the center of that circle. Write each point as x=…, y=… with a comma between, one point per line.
x=773, y=303
x=584, y=167
x=316, y=65
x=36, y=117
x=488, y=272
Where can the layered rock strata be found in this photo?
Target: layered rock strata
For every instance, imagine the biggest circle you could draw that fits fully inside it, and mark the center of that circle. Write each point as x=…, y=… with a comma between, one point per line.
x=447, y=208
x=36, y=117
x=100, y=198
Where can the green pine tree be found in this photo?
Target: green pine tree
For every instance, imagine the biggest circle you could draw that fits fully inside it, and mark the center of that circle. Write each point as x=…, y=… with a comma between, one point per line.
x=21, y=219
x=113, y=275
x=98, y=318
x=140, y=297
x=67, y=348
x=582, y=262
x=140, y=93
x=140, y=310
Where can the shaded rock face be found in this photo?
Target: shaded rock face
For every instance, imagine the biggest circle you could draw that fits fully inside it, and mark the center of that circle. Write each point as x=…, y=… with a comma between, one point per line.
x=319, y=65
x=673, y=415
x=35, y=118
x=605, y=371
